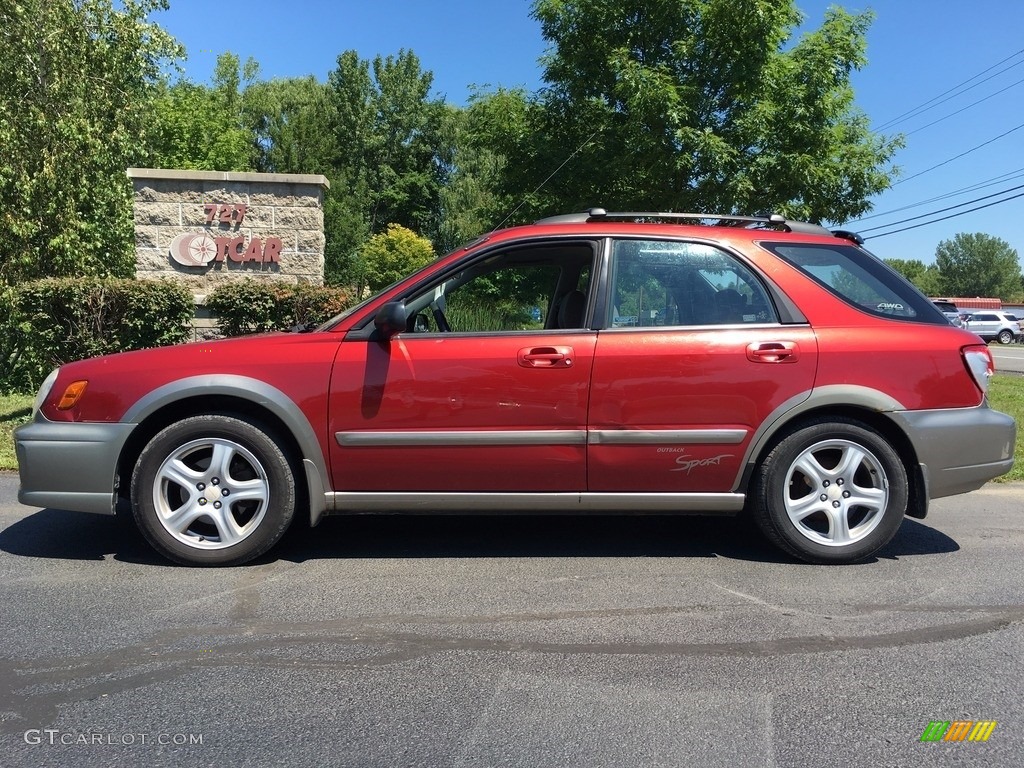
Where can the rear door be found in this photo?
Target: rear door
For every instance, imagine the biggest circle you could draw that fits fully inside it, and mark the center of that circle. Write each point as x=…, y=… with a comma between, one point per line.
x=693, y=359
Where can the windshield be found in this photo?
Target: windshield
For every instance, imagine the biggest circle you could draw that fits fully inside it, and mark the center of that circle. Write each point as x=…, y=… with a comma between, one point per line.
x=356, y=308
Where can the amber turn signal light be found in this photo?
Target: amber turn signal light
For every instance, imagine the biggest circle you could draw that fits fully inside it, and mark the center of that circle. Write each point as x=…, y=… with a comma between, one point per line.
x=72, y=395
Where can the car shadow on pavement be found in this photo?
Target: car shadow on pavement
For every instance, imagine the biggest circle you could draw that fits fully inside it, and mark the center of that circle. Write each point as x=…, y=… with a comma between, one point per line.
x=57, y=534
x=60, y=535
x=394, y=536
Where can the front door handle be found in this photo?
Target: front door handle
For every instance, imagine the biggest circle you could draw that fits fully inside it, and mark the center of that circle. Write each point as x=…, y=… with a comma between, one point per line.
x=773, y=352
x=546, y=357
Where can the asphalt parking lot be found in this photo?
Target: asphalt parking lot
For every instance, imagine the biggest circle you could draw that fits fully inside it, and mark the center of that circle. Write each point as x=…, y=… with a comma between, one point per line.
x=521, y=641
x=1009, y=358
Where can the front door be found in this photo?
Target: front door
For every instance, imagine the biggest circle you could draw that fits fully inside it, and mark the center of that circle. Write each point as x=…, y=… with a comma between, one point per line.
x=486, y=392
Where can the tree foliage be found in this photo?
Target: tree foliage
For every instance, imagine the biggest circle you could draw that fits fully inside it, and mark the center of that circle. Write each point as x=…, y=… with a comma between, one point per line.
x=924, y=276
x=392, y=254
x=290, y=120
x=201, y=127
x=76, y=81
x=978, y=265
x=391, y=157
x=706, y=105
x=701, y=105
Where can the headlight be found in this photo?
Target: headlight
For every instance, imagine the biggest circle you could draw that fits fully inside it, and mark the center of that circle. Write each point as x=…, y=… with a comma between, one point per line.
x=44, y=390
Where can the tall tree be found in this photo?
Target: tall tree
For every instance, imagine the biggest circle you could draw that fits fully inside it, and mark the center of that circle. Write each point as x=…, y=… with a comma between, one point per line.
x=470, y=204
x=201, y=127
x=924, y=276
x=978, y=265
x=391, y=159
x=76, y=80
x=699, y=105
x=290, y=119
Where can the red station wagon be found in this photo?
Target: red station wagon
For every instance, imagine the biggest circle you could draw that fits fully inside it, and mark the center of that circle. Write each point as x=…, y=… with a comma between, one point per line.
x=589, y=363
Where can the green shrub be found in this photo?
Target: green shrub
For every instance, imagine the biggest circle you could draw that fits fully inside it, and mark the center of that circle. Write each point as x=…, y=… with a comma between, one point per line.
x=47, y=323
x=255, y=306
x=393, y=254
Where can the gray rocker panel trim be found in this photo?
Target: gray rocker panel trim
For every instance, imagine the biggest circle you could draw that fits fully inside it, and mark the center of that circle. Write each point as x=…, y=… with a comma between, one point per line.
x=417, y=502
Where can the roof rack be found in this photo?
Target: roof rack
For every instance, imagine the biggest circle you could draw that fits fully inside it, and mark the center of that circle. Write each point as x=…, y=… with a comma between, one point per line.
x=775, y=221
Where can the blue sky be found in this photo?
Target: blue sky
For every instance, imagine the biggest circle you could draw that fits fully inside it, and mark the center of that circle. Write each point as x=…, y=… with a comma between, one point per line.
x=917, y=50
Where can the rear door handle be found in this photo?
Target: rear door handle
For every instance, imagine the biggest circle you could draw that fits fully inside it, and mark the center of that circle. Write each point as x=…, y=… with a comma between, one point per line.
x=546, y=357
x=773, y=352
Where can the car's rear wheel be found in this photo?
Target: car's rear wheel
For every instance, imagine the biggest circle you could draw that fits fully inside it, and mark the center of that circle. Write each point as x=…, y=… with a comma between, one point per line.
x=213, y=490
x=1005, y=336
x=830, y=491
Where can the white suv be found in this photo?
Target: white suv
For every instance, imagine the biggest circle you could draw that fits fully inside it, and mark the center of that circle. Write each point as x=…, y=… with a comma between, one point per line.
x=993, y=325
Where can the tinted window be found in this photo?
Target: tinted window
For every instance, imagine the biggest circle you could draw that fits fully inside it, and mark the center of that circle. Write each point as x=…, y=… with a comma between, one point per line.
x=668, y=283
x=860, y=279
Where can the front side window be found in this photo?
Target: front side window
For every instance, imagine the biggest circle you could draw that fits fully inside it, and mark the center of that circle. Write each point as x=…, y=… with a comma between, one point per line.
x=669, y=283
x=858, y=278
x=529, y=288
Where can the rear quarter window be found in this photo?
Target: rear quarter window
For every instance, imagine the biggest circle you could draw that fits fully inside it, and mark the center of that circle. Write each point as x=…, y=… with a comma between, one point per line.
x=859, y=279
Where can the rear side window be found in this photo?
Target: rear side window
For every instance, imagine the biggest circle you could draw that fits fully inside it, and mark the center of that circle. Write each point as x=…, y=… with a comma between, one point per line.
x=672, y=283
x=858, y=278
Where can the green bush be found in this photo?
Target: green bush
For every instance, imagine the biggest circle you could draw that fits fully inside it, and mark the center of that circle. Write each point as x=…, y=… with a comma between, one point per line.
x=47, y=323
x=255, y=306
x=393, y=254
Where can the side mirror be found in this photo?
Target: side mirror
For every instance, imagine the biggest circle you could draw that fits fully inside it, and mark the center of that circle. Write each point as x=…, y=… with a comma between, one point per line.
x=391, y=319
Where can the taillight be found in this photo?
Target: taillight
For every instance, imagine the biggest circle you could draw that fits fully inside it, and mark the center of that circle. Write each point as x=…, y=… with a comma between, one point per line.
x=980, y=364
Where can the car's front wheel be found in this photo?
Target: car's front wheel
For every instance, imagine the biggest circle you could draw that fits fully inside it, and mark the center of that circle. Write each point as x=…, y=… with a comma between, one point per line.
x=213, y=489
x=830, y=491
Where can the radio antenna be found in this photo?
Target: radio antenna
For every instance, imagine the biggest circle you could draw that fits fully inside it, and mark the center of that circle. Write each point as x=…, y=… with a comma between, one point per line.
x=549, y=178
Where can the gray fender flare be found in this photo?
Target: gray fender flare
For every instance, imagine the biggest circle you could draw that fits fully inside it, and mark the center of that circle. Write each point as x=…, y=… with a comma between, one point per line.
x=846, y=395
x=259, y=393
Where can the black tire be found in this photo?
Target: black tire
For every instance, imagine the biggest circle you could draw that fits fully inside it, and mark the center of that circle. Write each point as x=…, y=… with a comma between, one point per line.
x=1005, y=336
x=213, y=490
x=831, y=491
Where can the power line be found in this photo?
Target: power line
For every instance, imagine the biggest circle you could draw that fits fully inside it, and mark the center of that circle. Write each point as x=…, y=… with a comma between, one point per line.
x=963, y=109
x=969, y=188
x=942, y=210
x=944, y=218
x=931, y=103
x=962, y=154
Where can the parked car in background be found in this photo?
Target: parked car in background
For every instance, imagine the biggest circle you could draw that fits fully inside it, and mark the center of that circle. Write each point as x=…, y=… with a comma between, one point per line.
x=992, y=325
x=585, y=364
x=950, y=311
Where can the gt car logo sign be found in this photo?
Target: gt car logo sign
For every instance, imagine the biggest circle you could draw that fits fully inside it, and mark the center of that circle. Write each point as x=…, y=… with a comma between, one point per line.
x=199, y=249
x=193, y=250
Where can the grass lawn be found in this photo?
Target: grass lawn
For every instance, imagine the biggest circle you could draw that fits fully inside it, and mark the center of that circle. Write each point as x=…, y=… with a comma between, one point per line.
x=1006, y=394
x=14, y=410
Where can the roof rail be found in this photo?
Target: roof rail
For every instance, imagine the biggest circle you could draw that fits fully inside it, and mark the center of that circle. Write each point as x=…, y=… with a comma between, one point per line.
x=775, y=221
